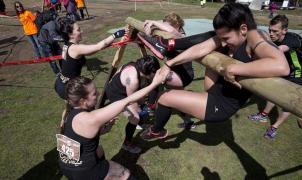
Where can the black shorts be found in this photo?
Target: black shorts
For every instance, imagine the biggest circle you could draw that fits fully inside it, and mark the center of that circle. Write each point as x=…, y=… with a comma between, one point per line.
x=113, y=96
x=295, y=80
x=99, y=171
x=185, y=72
x=60, y=88
x=217, y=109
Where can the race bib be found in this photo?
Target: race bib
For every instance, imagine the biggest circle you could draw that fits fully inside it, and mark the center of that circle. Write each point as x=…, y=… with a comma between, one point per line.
x=69, y=147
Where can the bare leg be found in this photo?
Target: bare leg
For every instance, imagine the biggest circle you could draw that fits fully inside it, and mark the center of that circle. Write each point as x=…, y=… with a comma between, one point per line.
x=269, y=106
x=281, y=118
x=192, y=103
x=117, y=172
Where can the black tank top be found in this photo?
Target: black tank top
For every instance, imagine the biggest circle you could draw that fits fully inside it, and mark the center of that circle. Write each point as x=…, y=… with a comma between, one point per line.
x=115, y=89
x=71, y=67
x=236, y=97
x=88, y=157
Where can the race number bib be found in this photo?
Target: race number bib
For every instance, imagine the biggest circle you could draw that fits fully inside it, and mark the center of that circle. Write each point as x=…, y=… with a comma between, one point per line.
x=69, y=147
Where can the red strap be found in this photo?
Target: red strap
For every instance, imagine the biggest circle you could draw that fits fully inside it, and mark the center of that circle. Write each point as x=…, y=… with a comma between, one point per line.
x=171, y=43
x=33, y=61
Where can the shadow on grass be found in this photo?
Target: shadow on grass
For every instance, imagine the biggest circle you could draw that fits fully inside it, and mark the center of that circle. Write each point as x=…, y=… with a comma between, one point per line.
x=48, y=169
x=97, y=65
x=208, y=175
x=216, y=133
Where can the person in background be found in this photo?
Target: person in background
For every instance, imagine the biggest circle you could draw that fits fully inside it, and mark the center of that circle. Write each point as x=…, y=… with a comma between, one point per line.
x=27, y=19
x=291, y=44
x=81, y=7
x=2, y=8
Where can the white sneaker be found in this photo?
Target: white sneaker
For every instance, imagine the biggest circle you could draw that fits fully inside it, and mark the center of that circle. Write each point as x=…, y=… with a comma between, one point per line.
x=139, y=127
x=132, y=148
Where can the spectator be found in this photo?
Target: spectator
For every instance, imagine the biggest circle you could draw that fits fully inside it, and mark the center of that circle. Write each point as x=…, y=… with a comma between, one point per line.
x=27, y=18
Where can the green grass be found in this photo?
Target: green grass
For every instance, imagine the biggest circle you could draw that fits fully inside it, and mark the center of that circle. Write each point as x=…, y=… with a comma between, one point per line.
x=30, y=112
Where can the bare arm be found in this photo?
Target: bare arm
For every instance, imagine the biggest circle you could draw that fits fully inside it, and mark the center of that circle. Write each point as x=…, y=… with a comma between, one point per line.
x=149, y=25
x=271, y=61
x=89, y=123
x=129, y=79
x=195, y=52
x=76, y=51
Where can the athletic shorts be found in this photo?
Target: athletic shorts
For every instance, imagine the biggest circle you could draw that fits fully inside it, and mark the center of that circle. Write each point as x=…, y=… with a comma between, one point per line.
x=185, y=72
x=99, y=171
x=60, y=88
x=217, y=109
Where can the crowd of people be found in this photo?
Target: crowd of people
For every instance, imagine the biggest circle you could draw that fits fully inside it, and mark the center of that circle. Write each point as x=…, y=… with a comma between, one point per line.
x=43, y=29
x=235, y=34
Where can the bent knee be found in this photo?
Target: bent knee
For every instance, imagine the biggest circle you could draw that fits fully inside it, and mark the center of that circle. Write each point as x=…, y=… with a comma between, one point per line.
x=117, y=171
x=163, y=97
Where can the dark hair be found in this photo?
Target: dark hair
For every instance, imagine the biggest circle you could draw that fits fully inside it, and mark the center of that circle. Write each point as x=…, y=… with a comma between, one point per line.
x=280, y=18
x=232, y=16
x=147, y=64
x=76, y=89
x=66, y=28
x=21, y=5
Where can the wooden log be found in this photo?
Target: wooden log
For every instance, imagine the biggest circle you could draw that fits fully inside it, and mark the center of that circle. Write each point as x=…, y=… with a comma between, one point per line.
x=284, y=93
x=139, y=25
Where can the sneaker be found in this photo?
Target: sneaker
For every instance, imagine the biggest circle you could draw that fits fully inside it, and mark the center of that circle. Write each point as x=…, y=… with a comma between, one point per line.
x=138, y=127
x=187, y=125
x=258, y=117
x=271, y=132
x=148, y=135
x=132, y=148
x=143, y=126
x=154, y=44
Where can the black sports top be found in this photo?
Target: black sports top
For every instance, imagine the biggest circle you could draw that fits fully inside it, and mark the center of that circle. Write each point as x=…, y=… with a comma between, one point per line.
x=88, y=147
x=71, y=67
x=294, y=55
x=236, y=97
x=115, y=90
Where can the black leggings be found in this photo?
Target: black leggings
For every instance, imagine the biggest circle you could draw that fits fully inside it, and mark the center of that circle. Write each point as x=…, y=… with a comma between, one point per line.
x=189, y=41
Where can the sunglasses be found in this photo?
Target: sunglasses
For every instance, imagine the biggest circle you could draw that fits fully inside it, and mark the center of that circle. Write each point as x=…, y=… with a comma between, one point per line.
x=18, y=6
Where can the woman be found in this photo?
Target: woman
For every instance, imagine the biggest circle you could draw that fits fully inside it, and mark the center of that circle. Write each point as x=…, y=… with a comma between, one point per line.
x=237, y=36
x=80, y=155
x=27, y=19
x=130, y=78
x=181, y=75
x=74, y=53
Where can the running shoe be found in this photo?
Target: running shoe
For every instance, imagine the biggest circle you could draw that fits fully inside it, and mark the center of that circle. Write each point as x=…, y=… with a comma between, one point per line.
x=154, y=44
x=132, y=148
x=271, y=132
x=187, y=125
x=149, y=135
x=259, y=117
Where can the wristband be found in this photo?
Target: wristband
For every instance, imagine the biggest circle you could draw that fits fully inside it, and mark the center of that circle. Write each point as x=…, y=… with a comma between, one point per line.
x=167, y=65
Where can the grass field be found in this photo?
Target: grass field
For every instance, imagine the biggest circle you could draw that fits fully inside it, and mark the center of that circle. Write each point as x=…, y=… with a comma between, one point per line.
x=30, y=112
